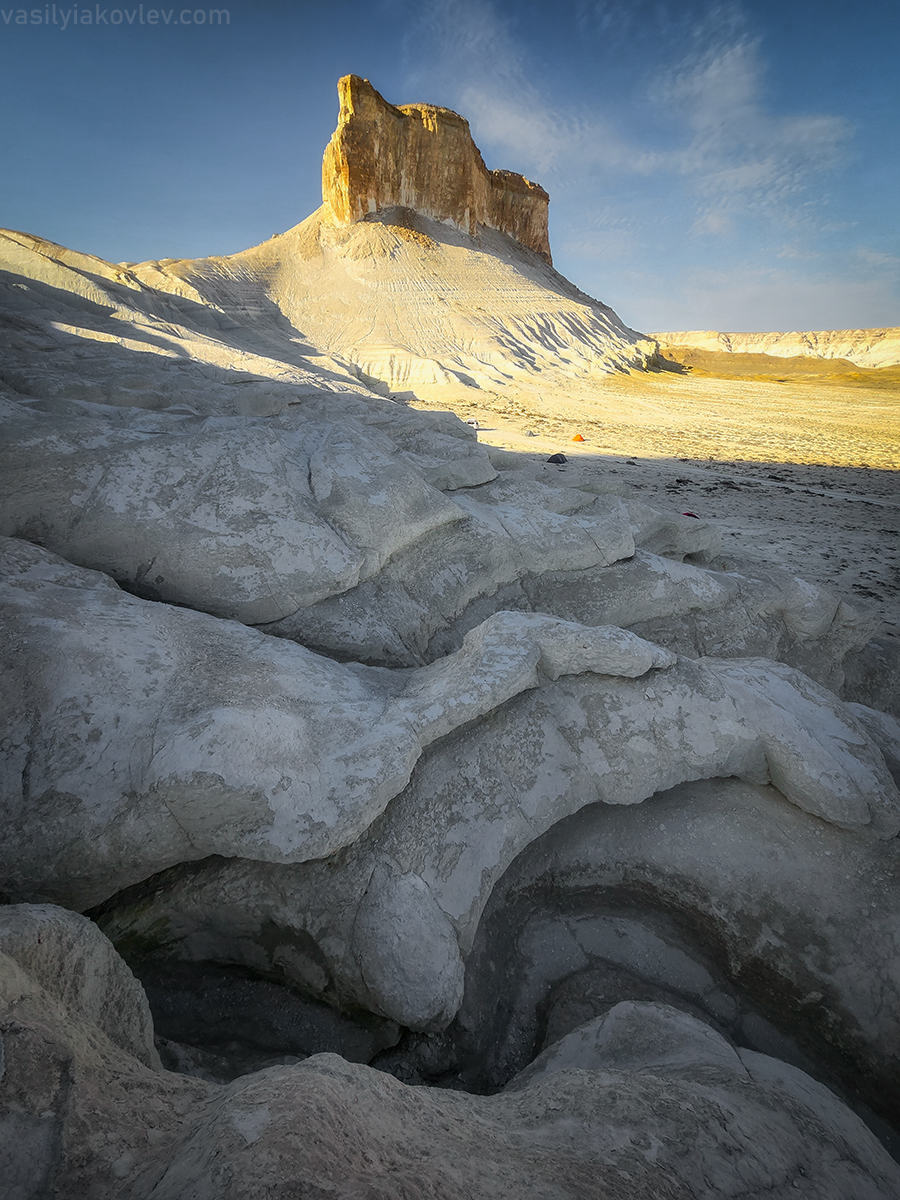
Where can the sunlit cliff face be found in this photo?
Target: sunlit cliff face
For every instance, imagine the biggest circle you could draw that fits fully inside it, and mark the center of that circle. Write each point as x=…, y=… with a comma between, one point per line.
x=421, y=157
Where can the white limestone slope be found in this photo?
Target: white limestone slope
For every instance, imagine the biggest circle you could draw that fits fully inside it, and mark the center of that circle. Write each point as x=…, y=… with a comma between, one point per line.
x=865, y=347
x=412, y=303
x=78, y=328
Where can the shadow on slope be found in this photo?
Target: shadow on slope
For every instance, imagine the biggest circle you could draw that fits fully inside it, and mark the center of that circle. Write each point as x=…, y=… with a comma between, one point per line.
x=62, y=345
x=148, y=321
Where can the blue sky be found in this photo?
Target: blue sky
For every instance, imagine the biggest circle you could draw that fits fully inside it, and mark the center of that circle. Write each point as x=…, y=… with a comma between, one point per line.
x=710, y=165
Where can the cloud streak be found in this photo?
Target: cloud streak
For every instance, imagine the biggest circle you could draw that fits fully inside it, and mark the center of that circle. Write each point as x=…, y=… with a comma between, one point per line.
x=731, y=153
x=682, y=190
x=741, y=156
x=474, y=58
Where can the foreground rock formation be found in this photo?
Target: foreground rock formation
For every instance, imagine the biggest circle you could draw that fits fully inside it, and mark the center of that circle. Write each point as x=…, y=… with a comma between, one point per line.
x=865, y=347
x=358, y=738
x=664, y=1107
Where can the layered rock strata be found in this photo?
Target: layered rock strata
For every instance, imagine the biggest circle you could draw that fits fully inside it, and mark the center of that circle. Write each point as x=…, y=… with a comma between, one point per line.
x=666, y=901
x=865, y=347
x=423, y=158
x=413, y=303
x=313, y=750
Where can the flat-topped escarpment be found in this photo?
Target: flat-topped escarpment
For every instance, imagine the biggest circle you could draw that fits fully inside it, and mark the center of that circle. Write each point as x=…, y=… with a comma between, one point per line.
x=422, y=157
x=865, y=347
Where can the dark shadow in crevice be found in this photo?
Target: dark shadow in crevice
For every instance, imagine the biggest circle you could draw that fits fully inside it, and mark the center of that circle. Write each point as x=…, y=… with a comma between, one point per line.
x=221, y=1021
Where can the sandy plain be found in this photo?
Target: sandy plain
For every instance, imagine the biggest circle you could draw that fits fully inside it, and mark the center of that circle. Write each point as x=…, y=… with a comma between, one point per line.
x=797, y=460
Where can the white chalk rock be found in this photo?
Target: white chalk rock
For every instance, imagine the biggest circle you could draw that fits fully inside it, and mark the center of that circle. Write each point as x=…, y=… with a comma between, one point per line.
x=634, y=1036
x=176, y=735
x=68, y=957
x=407, y=950
x=225, y=515
x=661, y=1101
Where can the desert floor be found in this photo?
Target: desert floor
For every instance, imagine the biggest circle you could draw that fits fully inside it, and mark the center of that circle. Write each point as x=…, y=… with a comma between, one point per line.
x=798, y=463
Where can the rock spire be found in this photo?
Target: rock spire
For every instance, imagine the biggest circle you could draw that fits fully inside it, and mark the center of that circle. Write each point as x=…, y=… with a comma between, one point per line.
x=421, y=157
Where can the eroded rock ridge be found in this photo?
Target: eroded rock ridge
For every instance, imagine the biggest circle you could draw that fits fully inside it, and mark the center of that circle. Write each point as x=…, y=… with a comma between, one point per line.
x=865, y=347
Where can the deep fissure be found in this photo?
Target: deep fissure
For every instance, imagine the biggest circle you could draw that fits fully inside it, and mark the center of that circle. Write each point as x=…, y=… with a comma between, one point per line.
x=652, y=942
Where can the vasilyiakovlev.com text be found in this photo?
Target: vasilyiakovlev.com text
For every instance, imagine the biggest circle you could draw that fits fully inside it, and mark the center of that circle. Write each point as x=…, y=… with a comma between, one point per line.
x=64, y=17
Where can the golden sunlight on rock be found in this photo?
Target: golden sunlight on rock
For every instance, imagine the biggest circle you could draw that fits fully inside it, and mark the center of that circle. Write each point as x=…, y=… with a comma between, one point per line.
x=421, y=157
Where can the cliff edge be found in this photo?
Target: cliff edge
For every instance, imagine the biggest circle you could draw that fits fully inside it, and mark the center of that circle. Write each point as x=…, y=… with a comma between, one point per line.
x=421, y=157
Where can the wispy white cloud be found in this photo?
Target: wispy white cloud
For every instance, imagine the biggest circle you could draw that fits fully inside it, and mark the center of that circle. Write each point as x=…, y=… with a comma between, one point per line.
x=613, y=240
x=799, y=253
x=625, y=25
x=476, y=61
x=731, y=152
x=451, y=44
x=741, y=156
x=875, y=258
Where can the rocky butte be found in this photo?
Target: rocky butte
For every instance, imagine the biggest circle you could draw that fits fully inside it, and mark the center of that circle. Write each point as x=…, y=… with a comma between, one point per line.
x=342, y=752
x=421, y=157
x=421, y=269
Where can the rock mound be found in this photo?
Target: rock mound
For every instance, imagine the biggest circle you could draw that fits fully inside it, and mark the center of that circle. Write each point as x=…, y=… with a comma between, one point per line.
x=661, y=1106
x=414, y=306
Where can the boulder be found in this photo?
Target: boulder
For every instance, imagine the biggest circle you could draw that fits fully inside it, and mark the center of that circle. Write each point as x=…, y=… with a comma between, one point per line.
x=65, y=956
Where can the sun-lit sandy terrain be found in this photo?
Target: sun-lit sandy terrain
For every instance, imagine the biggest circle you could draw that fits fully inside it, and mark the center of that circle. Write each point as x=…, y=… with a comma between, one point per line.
x=796, y=459
x=821, y=419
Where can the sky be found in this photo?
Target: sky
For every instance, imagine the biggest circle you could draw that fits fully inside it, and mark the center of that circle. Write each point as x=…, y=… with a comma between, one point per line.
x=731, y=166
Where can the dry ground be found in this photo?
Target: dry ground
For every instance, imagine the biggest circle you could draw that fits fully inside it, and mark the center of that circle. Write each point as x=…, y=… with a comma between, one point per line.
x=796, y=459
